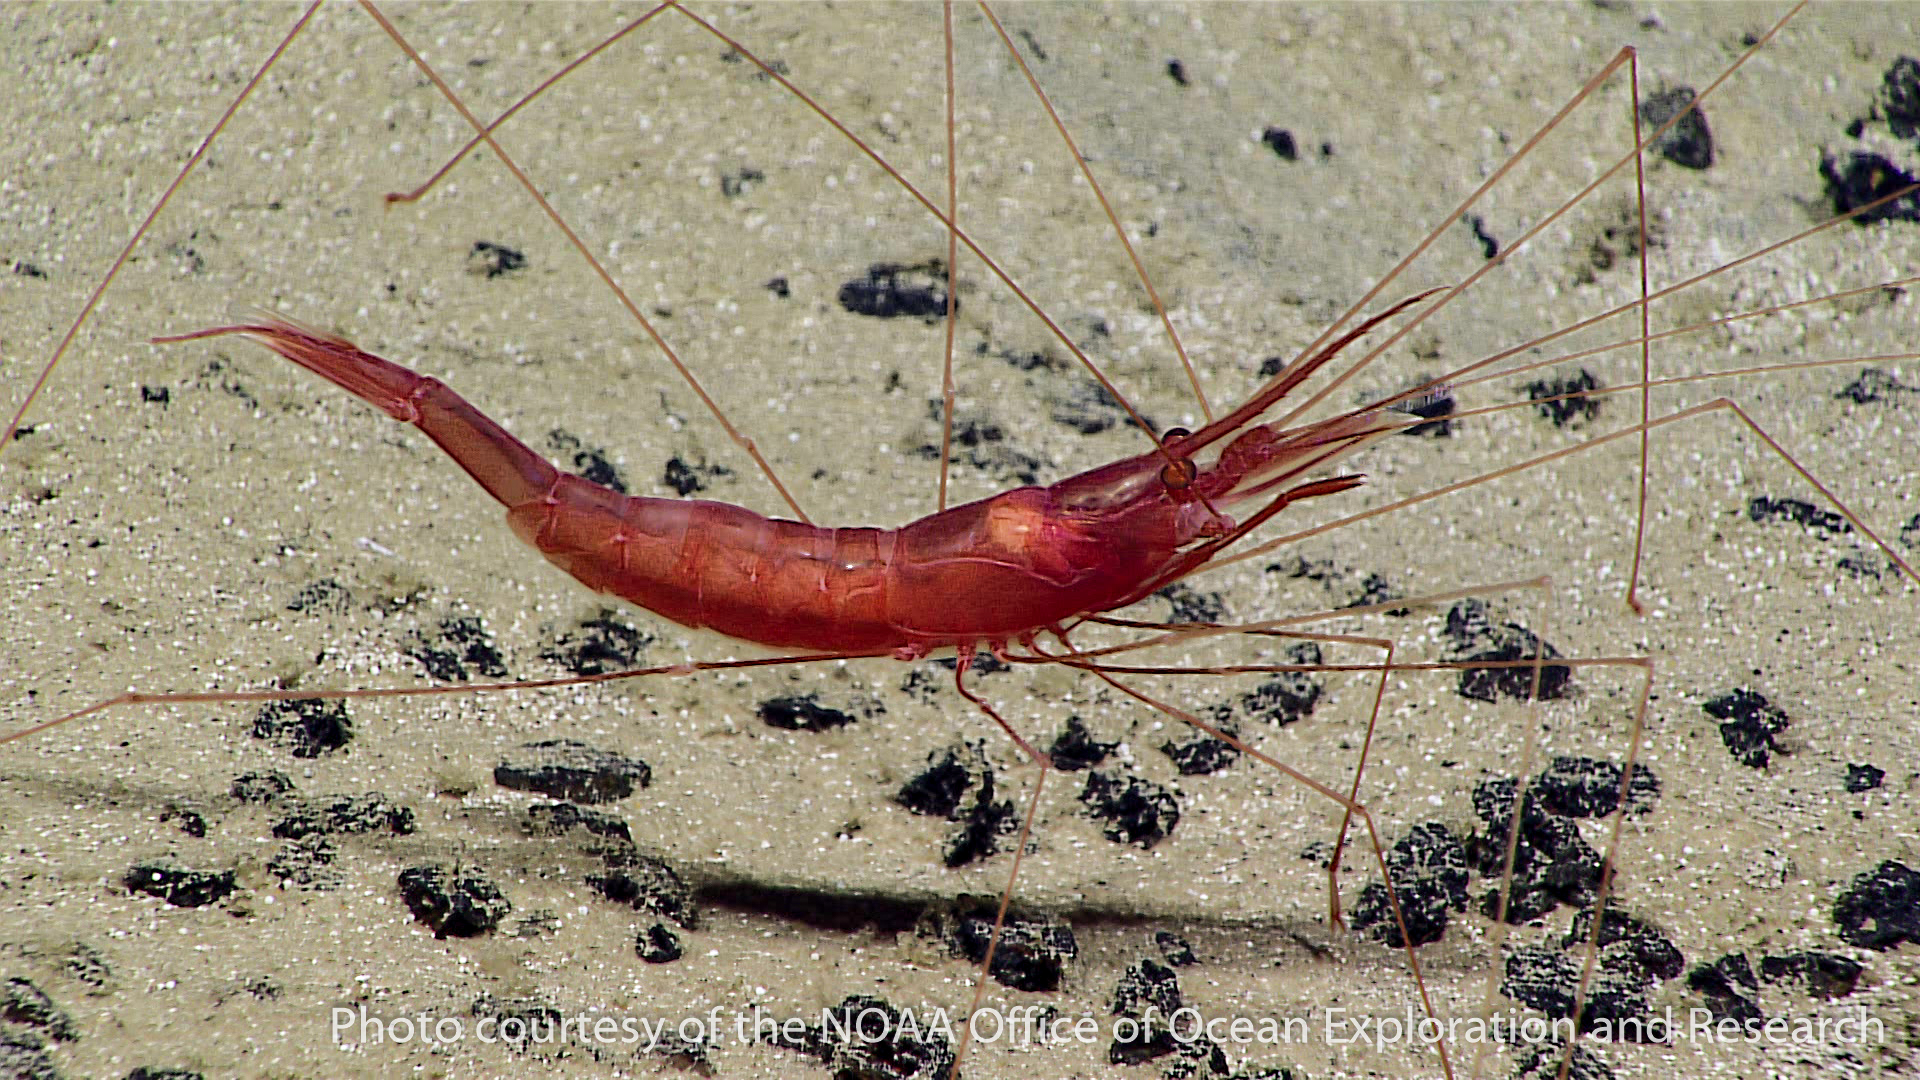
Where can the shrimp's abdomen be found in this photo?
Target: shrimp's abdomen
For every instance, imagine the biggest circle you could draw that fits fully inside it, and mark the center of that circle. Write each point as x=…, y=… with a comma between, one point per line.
x=984, y=572
x=716, y=566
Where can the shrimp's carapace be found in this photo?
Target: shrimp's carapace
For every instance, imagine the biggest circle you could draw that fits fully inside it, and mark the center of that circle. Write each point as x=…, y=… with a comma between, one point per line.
x=990, y=572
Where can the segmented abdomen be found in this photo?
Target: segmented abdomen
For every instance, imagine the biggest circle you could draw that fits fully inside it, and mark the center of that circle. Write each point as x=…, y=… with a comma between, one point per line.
x=987, y=571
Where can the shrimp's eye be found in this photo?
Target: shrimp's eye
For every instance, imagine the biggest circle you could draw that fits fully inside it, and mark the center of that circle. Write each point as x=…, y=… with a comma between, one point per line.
x=1178, y=474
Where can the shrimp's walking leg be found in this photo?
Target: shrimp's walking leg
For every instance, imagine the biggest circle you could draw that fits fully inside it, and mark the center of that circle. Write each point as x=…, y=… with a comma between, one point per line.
x=509, y=469
x=965, y=661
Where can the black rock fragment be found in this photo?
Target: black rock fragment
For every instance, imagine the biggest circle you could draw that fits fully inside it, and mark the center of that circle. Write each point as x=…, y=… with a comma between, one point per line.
x=1899, y=98
x=1075, y=748
x=1899, y=102
x=559, y=818
x=1552, y=865
x=1283, y=698
x=1824, y=523
x=868, y=1039
x=305, y=727
x=1190, y=605
x=1864, y=178
x=940, y=790
x=305, y=864
x=982, y=823
x=1688, y=143
x=937, y=790
x=1479, y=640
x=1429, y=870
x=590, y=462
x=1144, y=1002
x=1286, y=696
x=1489, y=244
x=1721, y=984
x=1565, y=400
x=740, y=181
x=1583, y=787
x=894, y=291
x=326, y=595
x=1434, y=407
x=1634, y=957
x=658, y=945
x=179, y=886
x=1032, y=954
x=260, y=787
x=1145, y=989
x=1863, y=778
x=980, y=443
x=1824, y=974
x=347, y=814
x=87, y=964
x=1515, y=682
x=649, y=885
x=1130, y=810
x=490, y=260
x=1634, y=942
x=1881, y=909
x=1174, y=949
x=1090, y=409
x=687, y=478
x=1321, y=570
x=1874, y=385
x=189, y=821
x=1374, y=589
x=1200, y=754
x=458, y=647
x=1861, y=565
x=1549, y=980
x=804, y=712
x=573, y=771
x=453, y=901
x=1751, y=725
x=602, y=644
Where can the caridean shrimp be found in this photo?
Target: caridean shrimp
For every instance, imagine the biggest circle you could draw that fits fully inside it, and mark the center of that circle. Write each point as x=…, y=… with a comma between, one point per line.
x=1162, y=464
x=991, y=572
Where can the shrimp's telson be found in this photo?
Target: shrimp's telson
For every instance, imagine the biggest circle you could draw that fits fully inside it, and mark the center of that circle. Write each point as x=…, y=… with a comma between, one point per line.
x=990, y=572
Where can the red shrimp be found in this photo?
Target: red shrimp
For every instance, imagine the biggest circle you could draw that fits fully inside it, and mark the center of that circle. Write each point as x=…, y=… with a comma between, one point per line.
x=992, y=571
x=1154, y=498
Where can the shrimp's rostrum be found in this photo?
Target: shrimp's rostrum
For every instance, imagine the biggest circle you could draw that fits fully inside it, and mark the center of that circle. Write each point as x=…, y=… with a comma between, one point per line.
x=205, y=516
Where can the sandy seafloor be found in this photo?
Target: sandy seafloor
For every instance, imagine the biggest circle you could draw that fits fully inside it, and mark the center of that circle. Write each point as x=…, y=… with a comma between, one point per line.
x=169, y=504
